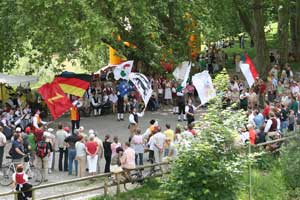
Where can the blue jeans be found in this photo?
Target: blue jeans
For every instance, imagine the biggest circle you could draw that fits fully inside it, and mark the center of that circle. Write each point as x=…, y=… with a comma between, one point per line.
x=71, y=156
x=283, y=126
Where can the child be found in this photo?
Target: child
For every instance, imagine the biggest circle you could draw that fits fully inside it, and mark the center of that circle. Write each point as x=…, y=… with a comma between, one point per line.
x=20, y=181
x=291, y=121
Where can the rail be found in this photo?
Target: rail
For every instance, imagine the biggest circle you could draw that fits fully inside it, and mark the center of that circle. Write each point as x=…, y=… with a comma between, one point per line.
x=104, y=187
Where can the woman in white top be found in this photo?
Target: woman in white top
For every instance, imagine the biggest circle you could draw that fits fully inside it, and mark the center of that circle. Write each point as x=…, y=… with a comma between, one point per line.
x=138, y=146
x=168, y=92
x=81, y=155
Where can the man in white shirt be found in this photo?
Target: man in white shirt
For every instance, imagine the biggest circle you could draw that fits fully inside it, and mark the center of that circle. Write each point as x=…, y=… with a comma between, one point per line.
x=134, y=120
x=36, y=120
x=96, y=103
x=2, y=145
x=61, y=135
x=158, y=141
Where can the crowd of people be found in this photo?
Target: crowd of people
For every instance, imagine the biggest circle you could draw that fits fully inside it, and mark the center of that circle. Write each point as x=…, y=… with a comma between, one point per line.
x=272, y=108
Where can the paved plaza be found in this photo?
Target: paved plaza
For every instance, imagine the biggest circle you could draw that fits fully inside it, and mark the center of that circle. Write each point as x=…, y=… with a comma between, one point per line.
x=103, y=125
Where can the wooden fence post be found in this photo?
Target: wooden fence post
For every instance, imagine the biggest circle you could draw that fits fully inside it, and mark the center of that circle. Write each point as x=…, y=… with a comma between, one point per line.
x=118, y=182
x=33, y=194
x=15, y=196
x=105, y=185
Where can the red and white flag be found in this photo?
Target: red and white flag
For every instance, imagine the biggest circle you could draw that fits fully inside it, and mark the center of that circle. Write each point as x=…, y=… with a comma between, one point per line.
x=123, y=70
x=248, y=70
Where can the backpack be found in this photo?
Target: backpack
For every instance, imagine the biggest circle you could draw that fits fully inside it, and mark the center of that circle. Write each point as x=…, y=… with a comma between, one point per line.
x=41, y=149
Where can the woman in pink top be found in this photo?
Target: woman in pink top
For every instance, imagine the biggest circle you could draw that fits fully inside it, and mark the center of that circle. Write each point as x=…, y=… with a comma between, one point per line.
x=138, y=146
x=114, y=146
x=128, y=158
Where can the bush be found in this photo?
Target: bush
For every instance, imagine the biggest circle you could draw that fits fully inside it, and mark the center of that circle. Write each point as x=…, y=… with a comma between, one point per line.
x=209, y=167
x=290, y=162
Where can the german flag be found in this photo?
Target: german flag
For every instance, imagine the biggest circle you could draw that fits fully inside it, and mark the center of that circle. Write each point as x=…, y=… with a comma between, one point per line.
x=71, y=83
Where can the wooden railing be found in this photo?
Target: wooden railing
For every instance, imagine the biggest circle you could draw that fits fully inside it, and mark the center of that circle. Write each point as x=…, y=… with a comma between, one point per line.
x=105, y=186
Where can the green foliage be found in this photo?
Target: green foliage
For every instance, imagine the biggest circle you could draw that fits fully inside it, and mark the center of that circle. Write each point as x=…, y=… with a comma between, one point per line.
x=291, y=164
x=267, y=185
x=150, y=190
x=221, y=80
x=209, y=167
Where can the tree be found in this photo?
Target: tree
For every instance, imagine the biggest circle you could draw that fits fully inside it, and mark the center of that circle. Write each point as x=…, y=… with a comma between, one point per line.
x=283, y=30
x=253, y=19
x=295, y=28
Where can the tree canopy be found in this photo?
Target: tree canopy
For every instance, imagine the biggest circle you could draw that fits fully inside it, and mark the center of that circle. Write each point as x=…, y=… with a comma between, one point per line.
x=156, y=30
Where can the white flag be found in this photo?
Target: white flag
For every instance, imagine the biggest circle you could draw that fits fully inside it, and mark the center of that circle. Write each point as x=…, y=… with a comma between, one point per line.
x=203, y=84
x=182, y=72
x=123, y=70
x=143, y=85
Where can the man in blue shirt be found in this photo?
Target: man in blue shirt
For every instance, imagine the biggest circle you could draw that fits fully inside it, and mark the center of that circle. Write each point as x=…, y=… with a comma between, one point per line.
x=17, y=152
x=258, y=119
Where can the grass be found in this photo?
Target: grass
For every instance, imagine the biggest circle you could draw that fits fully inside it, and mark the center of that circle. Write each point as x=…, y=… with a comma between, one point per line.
x=149, y=191
x=271, y=36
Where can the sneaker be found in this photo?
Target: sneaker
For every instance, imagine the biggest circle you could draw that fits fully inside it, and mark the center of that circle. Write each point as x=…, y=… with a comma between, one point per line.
x=49, y=171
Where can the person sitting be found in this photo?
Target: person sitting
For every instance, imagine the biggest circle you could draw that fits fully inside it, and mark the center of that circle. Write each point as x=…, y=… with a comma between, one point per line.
x=271, y=126
x=20, y=182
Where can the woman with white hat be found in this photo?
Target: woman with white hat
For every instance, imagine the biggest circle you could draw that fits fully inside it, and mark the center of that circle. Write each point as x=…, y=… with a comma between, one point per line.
x=50, y=140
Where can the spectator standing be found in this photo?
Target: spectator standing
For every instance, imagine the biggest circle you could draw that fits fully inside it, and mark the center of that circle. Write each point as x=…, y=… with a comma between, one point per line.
x=92, y=154
x=17, y=149
x=169, y=133
x=61, y=135
x=31, y=141
x=50, y=140
x=2, y=145
x=128, y=158
x=107, y=153
x=138, y=147
x=159, y=141
x=291, y=121
x=71, y=140
x=114, y=145
x=100, y=151
x=43, y=153
x=81, y=155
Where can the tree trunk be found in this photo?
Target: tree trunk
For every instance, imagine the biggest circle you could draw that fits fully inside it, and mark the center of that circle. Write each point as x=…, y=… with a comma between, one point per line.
x=297, y=31
x=283, y=34
x=259, y=37
x=293, y=44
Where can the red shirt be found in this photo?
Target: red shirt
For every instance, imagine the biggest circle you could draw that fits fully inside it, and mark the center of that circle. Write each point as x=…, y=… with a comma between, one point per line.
x=91, y=146
x=252, y=136
x=193, y=131
x=266, y=111
x=20, y=178
x=262, y=88
x=38, y=135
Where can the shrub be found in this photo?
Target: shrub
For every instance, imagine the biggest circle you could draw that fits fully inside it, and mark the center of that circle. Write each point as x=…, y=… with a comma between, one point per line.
x=210, y=167
x=290, y=162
